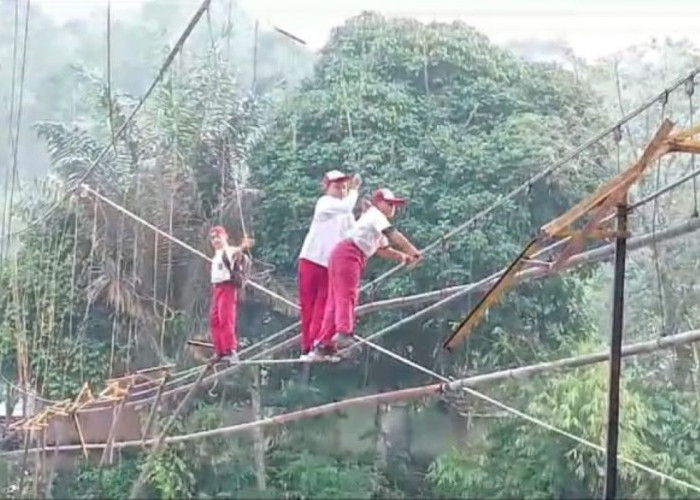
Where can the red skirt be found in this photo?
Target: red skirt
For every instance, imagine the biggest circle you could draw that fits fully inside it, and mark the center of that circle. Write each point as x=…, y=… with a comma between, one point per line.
x=345, y=269
x=222, y=318
x=313, y=292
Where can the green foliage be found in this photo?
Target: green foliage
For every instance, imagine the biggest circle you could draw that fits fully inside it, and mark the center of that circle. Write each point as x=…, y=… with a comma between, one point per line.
x=170, y=476
x=39, y=317
x=69, y=364
x=656, y=429
x=672, y=432
x=442, y=116
x=305, y=475
x=90, y=481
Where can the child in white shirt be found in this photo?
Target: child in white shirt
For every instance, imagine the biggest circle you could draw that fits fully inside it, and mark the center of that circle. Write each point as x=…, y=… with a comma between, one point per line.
x=332, y=219
x=226, y=279
x=371, y=234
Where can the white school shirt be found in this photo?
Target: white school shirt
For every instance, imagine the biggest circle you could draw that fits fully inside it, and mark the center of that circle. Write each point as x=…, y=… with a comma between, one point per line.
x=219, y=273
x=368, y=232
x=330, y=224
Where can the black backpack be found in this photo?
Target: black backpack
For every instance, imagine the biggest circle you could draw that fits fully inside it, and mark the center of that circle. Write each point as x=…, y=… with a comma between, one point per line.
x=238, y=269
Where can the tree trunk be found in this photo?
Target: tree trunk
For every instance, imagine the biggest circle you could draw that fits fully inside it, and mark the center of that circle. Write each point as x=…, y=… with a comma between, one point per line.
x=402, y=444
x=381, y=436
x=258, y=432
x=10, y=402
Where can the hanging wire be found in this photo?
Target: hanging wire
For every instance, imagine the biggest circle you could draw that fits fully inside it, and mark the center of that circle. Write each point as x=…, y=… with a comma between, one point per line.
x=655, y=250
x=617, y=135
x=255, y=56
x=690, y=90
x=14, y=176
x=109, y=76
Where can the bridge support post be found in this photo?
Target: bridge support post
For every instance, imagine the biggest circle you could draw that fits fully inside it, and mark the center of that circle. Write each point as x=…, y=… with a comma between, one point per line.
x=616, y=351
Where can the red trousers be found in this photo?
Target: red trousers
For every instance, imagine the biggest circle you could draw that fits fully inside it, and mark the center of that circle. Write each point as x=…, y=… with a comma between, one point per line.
x=347, y=263
x=313, y=290
x=223, y=317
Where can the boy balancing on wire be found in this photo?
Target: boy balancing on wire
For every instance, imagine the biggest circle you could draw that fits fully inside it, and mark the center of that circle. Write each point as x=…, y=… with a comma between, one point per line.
x=371, y=234
x=226, y=278
x=333, y=217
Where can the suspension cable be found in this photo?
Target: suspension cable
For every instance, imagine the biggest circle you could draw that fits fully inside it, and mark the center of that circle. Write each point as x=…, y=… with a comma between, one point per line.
x=8, y=169
x=525, y=416
x=109, y=75
x=690, y=90
x=617, y=136
x=15, y=149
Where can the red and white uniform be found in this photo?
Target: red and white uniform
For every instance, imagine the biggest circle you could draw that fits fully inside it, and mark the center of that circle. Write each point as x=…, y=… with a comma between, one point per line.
x=224, y=304
x=345, y=269
x=332, y=220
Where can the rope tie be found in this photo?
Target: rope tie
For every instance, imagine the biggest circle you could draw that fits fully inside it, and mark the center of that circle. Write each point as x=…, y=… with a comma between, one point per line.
x=617, y=135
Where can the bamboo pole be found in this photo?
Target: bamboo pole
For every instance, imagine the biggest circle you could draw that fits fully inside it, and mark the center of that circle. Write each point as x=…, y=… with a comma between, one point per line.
x=453, y=293
x=518, y=374
x=258, y=434
x=445, y=296
x=25, y=457
x=585, y=258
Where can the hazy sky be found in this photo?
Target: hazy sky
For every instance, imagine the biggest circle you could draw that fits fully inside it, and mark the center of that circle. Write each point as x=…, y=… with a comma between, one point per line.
x=594, y=28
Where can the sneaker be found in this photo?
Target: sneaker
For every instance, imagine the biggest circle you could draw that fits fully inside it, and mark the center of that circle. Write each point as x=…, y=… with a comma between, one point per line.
x=305, y=356
x=230, y=358
x=321, y=353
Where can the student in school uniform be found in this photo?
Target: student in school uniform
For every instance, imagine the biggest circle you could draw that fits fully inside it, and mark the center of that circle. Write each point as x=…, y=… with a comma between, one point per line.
x=333, y=217
x=226, y=278
x=372, y=233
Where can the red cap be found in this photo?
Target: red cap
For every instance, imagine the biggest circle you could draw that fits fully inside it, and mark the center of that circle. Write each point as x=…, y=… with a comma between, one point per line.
x=218, y=231
x=386, y=195
x=334, y=176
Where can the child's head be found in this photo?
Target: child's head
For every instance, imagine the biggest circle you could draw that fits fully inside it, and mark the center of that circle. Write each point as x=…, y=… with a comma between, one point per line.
x=218, y=237
x=335, y=183
x=386, y=202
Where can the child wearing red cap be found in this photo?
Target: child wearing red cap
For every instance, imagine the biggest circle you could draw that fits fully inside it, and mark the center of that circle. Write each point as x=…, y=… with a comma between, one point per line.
x=226, y=278
x=333, y=217
x=371, y=234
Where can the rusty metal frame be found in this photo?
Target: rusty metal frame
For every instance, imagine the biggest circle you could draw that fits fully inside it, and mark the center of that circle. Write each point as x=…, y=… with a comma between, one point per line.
x=599, y=206
x=491, y=297
x=116, y=415
x=154, y=409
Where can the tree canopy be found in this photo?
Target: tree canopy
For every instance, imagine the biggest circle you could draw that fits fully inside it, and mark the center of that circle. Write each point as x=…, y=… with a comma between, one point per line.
x=436, y=112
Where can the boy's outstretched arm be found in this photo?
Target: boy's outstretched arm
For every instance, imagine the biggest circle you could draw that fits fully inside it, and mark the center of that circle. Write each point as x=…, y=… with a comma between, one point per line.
x=402, y=242
x=393, y=254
